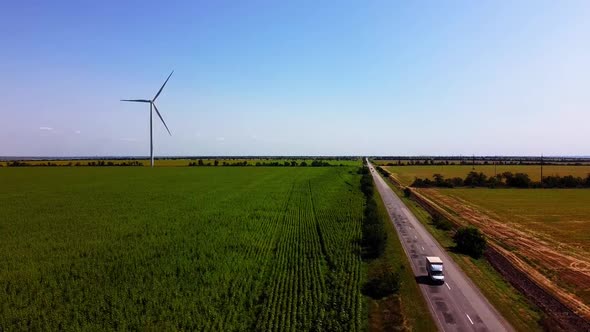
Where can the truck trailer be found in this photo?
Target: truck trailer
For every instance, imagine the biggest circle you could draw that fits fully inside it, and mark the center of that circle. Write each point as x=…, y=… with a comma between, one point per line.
x=434, y=266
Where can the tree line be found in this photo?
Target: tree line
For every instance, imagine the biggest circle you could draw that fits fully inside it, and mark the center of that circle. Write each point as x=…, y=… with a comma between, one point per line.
x=373, y=228
x=482, y=160
x=286, y=163
x=503, y=180
x=427, y=162
x=100, y=163
x=383, y=281
x=200, y=162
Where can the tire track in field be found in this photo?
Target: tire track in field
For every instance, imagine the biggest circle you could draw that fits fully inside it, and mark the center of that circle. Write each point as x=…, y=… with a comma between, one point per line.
x=327, y=257
x=239, y=282
x=308, y=285
x=335, y=300
x=265, y=298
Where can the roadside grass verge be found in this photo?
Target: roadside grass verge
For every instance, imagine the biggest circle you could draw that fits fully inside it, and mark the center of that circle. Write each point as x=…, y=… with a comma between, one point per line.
x=514, y=307
x=406, y=310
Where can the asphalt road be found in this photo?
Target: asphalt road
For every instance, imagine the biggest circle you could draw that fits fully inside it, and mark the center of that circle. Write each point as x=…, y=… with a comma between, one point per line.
x=456, y=305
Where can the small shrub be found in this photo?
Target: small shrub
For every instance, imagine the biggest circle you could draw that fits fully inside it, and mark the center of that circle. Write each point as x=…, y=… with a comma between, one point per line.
x=407, y=192
x=441, y=223
x=519, y=180
x=475, y=179
x=382, y=284
x=470, y=241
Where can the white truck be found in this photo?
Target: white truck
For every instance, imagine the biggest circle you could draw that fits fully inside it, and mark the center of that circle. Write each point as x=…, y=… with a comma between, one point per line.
x=434, y=266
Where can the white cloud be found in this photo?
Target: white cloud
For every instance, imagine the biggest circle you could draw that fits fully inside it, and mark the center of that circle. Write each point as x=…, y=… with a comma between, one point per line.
x=220, y=139
x=46, y=128
x=77, y=132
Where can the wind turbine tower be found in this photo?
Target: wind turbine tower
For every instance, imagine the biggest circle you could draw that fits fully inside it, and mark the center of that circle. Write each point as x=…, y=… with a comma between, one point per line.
x=153, y=107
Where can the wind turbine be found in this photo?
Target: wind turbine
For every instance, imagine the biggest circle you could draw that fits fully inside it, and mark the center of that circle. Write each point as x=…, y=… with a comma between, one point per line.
x=153, y=106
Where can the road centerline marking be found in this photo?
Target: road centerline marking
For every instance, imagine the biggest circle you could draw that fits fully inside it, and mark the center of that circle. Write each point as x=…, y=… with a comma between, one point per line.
x=469, y=318
x=449, y=287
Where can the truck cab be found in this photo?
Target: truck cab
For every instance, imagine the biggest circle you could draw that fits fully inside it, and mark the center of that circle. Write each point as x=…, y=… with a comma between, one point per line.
x=434, y=266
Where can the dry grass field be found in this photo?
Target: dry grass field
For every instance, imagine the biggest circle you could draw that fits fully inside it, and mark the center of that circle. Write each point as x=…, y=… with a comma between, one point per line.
x=407, y=174
x=559, y=214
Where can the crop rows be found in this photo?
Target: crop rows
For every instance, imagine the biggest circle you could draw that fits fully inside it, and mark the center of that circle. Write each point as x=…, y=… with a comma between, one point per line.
x=181, y=248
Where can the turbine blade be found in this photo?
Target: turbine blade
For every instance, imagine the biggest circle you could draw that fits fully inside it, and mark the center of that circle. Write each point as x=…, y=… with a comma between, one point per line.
x=160, y=115
x=137, y=100
x=163, y=85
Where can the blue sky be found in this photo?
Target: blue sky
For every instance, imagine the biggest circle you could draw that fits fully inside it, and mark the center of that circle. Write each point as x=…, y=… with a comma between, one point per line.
x=296, y=77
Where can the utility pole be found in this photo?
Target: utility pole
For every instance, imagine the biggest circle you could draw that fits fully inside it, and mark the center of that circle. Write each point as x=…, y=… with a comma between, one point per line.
x=541, y=170
x=495, y=164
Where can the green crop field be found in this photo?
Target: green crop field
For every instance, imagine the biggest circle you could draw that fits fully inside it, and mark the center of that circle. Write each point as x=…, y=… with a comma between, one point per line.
x=211, y=248
x=407, y=174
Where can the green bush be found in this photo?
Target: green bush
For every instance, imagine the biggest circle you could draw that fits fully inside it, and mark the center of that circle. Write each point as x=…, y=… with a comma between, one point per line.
x=407, y=192
x=382, y=284
x=441, y=223
x=470, y=241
